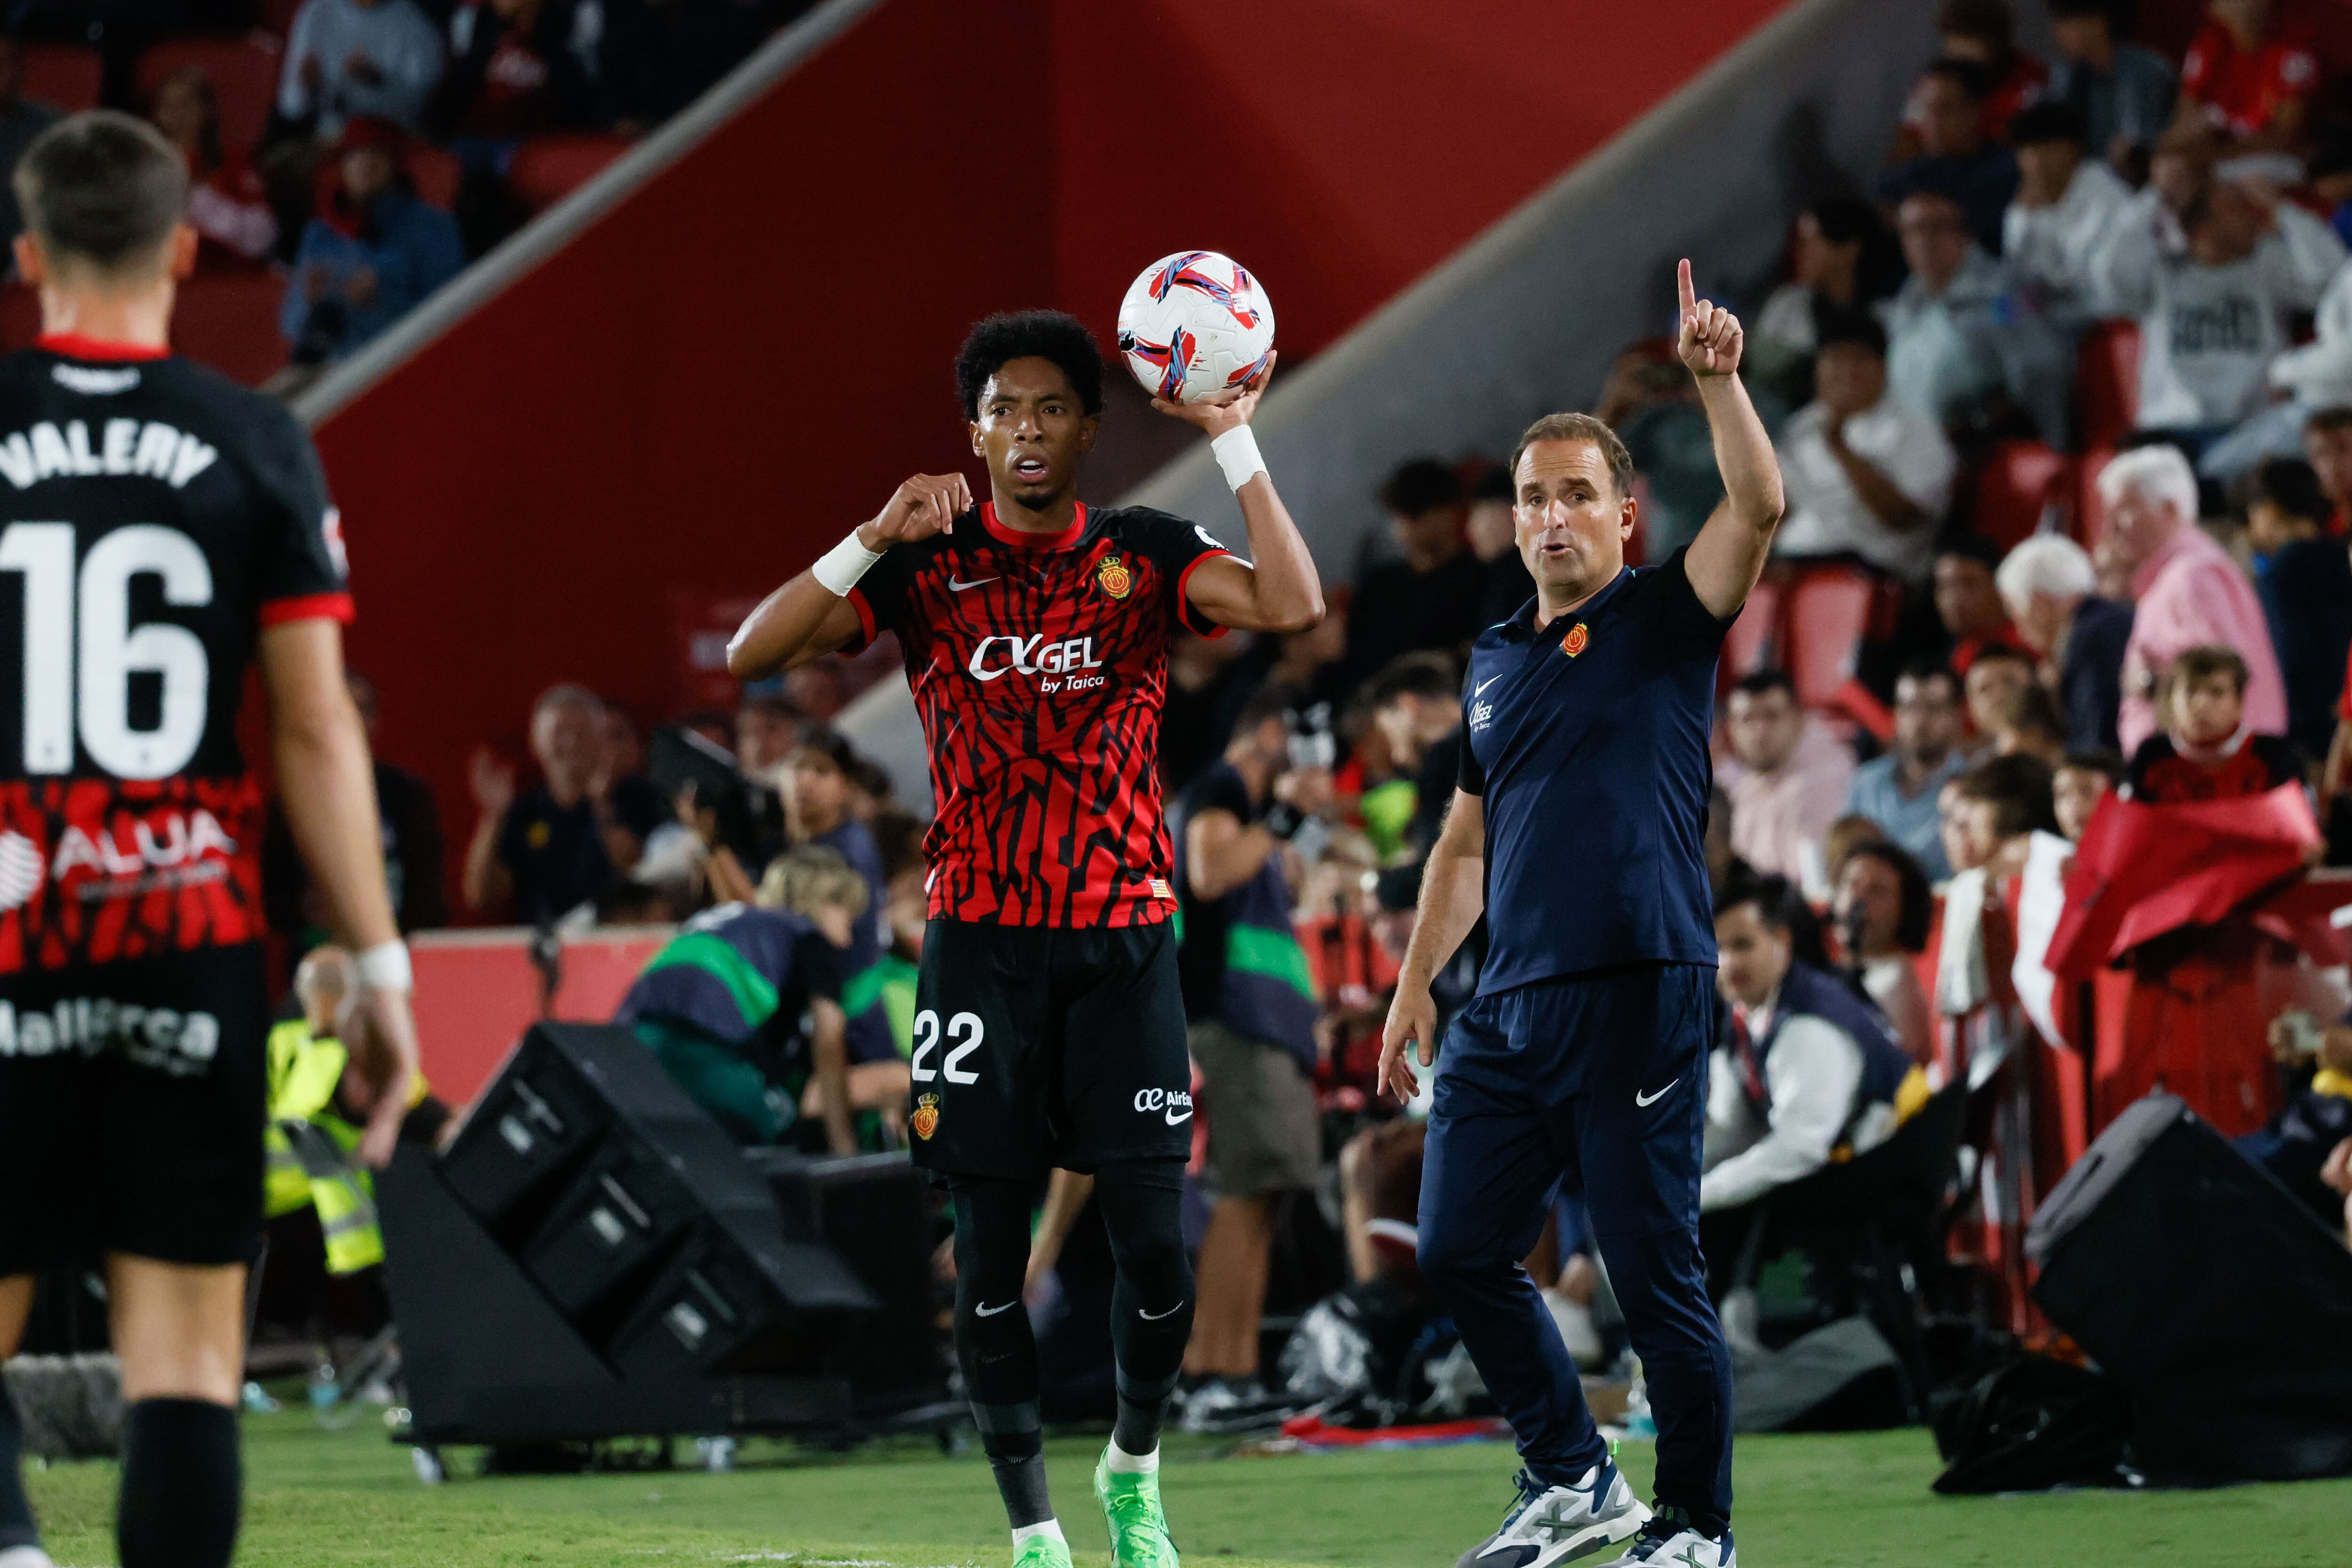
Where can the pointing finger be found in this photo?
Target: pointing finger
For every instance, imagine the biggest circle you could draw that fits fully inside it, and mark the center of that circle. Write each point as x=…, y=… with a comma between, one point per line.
x=1683, y=286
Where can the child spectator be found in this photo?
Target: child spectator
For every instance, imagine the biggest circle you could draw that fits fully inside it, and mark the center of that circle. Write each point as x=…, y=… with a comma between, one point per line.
x=2249, y=76
x=2082, y=780
x=2305, y=580
x=228, y=205
x=347, y=59
x=2067, y=205
x=1884, y=908
x=1956, y=157
x=2050, y=591
x=1862, y=474
x=2123, y=90
x=1845, y=261
x=372, y=253
x=1965, y=344
x=1998, y=673
x=2205, y=752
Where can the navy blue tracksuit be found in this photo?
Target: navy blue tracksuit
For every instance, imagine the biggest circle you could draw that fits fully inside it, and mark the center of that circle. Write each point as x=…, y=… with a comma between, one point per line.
x=1581, y=1064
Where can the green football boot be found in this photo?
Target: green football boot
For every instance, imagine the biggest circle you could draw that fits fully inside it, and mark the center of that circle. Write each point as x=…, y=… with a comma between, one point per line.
x=1043, y=1551
x=1138, y=1530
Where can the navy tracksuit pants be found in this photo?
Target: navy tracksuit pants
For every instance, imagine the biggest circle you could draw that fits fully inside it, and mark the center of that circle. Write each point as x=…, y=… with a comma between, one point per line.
x=1593, y=1084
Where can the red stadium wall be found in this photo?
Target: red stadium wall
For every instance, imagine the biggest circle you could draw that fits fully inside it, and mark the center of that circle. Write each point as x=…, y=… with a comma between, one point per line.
x=741, y=358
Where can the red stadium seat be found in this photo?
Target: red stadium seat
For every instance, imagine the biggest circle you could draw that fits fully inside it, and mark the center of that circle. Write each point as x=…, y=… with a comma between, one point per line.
x=1828, y=616
x=2107, y=382
x=67, y=75
x=229, y=322
x=435, y=175
x=243, y=71
x=546, y=169
x=2017, y=484
x=2090, y=516
x=1748, y=645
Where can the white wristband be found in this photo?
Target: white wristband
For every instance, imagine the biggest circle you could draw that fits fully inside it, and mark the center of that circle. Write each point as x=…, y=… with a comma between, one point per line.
x=1236, y=453
x=840, y=567
x=385, y=967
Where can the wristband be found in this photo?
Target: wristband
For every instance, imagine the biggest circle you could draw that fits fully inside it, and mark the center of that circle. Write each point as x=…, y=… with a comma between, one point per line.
x=1236, y=453
x=839, y=568
x=385, y=967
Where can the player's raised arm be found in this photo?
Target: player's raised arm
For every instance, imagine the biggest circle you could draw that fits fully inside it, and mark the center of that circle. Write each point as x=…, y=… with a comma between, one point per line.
x=1727, y=556
x=810, y=615
x=1281, y=593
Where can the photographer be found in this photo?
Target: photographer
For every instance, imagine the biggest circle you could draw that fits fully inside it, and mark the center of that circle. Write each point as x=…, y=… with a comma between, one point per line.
x=1249, y=821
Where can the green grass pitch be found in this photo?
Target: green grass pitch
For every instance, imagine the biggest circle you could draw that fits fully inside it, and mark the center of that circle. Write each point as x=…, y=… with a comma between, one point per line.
x=1851, y=1502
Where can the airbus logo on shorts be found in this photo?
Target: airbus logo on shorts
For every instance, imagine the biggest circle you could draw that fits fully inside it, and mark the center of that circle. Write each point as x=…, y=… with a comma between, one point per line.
x=1068, y=659
x=181, y=1043
x=1166, y=1101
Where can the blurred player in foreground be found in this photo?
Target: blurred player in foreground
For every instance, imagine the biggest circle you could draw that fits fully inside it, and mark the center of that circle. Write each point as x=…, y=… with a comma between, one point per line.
x=1578, y=827
x=185, y=524
x=1050, y=1025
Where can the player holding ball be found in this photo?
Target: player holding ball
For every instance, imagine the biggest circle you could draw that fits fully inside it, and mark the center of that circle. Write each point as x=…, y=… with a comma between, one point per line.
x=1050, y=1026
x=1578, y=827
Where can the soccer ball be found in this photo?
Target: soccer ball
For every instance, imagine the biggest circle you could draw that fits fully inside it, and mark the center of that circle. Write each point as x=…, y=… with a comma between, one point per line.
x=1194, y=327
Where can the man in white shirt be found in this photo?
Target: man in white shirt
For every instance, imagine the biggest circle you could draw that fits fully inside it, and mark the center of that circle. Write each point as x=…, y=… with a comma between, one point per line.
x=1862, y=475
x=1813, y=1069
x=1962, y=333
x=350, y=58
x=2066, y=205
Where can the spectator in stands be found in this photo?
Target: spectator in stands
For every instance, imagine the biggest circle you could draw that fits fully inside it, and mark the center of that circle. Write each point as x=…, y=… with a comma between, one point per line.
x=1884, y=908
x=2205, y=752
x=1787, y=777
x=1967, y=602
x=1417, y=704
x=2027, y=720
x=2080, y=782
x=1966, y=345
x=1430, y=599
x=1864, y=476
x=2214, y=314
x=1252, y=1031
x=1649, y=401
x=346, y=58
x=1897, y=790
x=2187, y=589
x=516, y=68
x=767, y=728
x=21, y=120
x=2249, y=76
x=1998, y=806
x=372, y=253
x=541, y=853
x=229, y=205
x=655, y=57
x=1845, y=261
x=2050, y=588
x=1998, y=673
x=1813, y=1071
x=2305, y=580
x=2067, y=206
x=1956, y=160
x=2123, y=90
x=1315, y=660
x=1984, y=33
x=1492, y=528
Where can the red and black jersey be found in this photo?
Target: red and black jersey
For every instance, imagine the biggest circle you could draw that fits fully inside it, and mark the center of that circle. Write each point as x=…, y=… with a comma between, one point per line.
x=157, y=517
x=1038, y=664
x=2160, y=776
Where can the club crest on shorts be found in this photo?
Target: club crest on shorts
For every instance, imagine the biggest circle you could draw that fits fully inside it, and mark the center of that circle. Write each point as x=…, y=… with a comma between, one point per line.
x=1574, y=643
x=926, y=1120
x=1112, y=576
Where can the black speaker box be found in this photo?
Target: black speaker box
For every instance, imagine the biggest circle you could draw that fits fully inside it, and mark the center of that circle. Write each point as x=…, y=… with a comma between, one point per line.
x=2209, y=1293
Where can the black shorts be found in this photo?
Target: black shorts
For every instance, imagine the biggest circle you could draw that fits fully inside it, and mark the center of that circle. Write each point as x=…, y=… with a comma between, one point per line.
x=131, y=1105
x=1038, y=1046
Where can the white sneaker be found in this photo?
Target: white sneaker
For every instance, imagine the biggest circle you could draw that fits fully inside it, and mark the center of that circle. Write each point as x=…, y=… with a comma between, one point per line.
x=25, y=1557
x=1682, y=1549
x=1551, y=1525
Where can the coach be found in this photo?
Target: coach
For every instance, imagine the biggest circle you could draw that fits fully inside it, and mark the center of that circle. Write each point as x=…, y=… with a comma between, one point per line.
x=1578, y=827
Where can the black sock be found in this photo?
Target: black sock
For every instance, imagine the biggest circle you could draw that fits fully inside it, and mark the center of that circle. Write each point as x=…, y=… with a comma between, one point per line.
x=180, y=1485
x=16, y=1526
x=993, y=1343
x=1151, y=1307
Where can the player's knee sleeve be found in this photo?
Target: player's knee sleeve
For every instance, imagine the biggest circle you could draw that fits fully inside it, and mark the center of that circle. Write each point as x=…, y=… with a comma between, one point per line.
x=16, y=1527
x=180, y=1485
x=993, y=1343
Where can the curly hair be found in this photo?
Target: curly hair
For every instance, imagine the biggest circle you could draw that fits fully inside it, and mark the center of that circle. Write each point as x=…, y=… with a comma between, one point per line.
x=997, y=340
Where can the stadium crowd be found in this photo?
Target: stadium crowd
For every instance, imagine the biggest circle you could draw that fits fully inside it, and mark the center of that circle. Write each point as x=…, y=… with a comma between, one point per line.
x=2025, y=621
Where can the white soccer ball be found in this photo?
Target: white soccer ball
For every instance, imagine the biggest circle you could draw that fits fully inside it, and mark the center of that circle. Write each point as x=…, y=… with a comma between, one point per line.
x=1194, y=327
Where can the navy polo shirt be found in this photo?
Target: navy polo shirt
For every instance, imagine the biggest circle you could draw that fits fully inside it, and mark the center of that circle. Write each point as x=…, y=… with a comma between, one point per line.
x=1588, y=741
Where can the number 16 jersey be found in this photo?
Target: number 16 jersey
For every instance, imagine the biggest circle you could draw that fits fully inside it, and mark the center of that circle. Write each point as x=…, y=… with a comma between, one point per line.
x=155, y=516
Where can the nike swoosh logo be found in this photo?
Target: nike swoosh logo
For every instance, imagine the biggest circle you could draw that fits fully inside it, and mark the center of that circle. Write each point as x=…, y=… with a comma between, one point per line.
x=954, y=586
x=1641, y=1099
x=1173, y=1119
x=1155, y=1317
x=991, y=1311
x=1483, y=684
